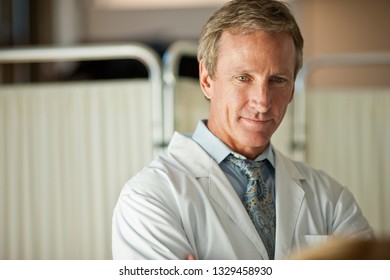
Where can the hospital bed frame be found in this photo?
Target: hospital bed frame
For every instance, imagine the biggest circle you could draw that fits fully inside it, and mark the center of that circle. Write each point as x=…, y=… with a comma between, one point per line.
x=171, y=62
x=136, y=51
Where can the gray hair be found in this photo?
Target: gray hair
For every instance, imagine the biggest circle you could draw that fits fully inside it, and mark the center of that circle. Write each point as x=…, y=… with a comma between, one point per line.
x=243, y=17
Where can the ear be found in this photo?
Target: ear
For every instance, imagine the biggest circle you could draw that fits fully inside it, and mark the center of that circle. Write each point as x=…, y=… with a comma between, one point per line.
x=205, y=80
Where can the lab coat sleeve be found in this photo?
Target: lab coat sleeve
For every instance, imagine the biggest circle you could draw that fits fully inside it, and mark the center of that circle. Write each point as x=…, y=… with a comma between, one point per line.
x=147, y=225
x=349, y=219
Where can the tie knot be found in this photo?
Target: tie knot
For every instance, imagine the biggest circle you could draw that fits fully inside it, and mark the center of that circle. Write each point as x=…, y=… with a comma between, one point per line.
x=250, y=168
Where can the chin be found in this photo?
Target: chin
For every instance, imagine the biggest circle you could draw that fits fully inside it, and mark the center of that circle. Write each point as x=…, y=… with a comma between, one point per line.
x=257, y=141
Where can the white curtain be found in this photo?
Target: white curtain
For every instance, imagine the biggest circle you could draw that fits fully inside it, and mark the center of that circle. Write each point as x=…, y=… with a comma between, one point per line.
x=65, y=153
x=348, y=135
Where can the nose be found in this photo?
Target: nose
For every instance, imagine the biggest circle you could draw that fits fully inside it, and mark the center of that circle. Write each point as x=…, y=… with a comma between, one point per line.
x=261, y=98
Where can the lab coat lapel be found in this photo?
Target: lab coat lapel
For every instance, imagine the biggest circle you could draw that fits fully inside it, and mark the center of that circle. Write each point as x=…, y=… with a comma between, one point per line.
x=289, y=198
x=224, y=195
x=183, y=149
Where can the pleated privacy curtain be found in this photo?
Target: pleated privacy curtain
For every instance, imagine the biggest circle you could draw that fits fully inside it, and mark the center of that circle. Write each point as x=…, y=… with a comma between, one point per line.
x=66, y=151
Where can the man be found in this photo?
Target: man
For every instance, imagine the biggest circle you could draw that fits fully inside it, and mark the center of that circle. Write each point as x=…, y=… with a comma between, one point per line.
x=199, y=199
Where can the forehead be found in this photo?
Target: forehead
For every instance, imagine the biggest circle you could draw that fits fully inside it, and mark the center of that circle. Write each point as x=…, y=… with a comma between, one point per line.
x=257, y=48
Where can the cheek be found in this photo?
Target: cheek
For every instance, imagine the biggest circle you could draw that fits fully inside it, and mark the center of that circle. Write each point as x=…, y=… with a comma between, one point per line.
x=228, y=100
x=226, y=97
x=282, y=96
x=235, y=96
x=280, y=104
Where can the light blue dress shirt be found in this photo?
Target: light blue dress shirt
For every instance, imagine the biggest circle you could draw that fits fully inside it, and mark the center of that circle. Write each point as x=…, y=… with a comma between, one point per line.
x=219, y=151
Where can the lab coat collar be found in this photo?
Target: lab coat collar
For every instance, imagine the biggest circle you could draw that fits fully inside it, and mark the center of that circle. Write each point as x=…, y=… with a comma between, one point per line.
x=183, y=149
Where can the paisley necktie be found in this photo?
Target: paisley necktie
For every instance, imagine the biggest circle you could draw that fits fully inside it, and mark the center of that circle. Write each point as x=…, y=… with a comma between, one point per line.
x=258, y=202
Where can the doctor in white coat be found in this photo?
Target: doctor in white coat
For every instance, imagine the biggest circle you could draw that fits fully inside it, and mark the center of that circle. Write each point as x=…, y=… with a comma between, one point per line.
x=188, y=202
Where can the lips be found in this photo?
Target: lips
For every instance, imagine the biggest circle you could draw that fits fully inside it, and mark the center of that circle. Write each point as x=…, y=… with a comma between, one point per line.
x=255, y=120
x=256, y=124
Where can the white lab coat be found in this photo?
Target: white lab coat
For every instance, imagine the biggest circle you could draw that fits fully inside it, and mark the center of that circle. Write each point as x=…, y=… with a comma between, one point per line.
x=183, y=203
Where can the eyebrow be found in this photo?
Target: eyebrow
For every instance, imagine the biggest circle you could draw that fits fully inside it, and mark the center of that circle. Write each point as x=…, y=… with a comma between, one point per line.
x=249, y=71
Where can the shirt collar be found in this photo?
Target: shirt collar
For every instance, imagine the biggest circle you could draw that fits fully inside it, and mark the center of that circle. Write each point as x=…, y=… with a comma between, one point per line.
x=218, y=150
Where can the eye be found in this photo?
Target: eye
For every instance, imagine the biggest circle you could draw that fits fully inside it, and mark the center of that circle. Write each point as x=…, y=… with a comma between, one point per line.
x=243, y=78
x=278, y=79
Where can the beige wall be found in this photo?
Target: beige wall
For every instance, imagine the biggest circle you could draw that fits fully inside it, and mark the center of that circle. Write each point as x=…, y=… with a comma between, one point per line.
x=158, y=25
x=345, y=26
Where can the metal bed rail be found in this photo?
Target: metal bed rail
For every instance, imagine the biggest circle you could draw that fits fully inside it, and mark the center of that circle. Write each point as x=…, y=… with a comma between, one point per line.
x=171, y=62
x=137, y=51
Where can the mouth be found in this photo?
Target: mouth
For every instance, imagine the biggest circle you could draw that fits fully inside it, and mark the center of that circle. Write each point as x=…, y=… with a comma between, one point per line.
x=255, y=120
x=256, y=124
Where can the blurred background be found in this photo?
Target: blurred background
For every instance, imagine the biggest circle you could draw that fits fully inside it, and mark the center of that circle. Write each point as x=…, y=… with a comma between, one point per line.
x=345, y=26
x=72, y=131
